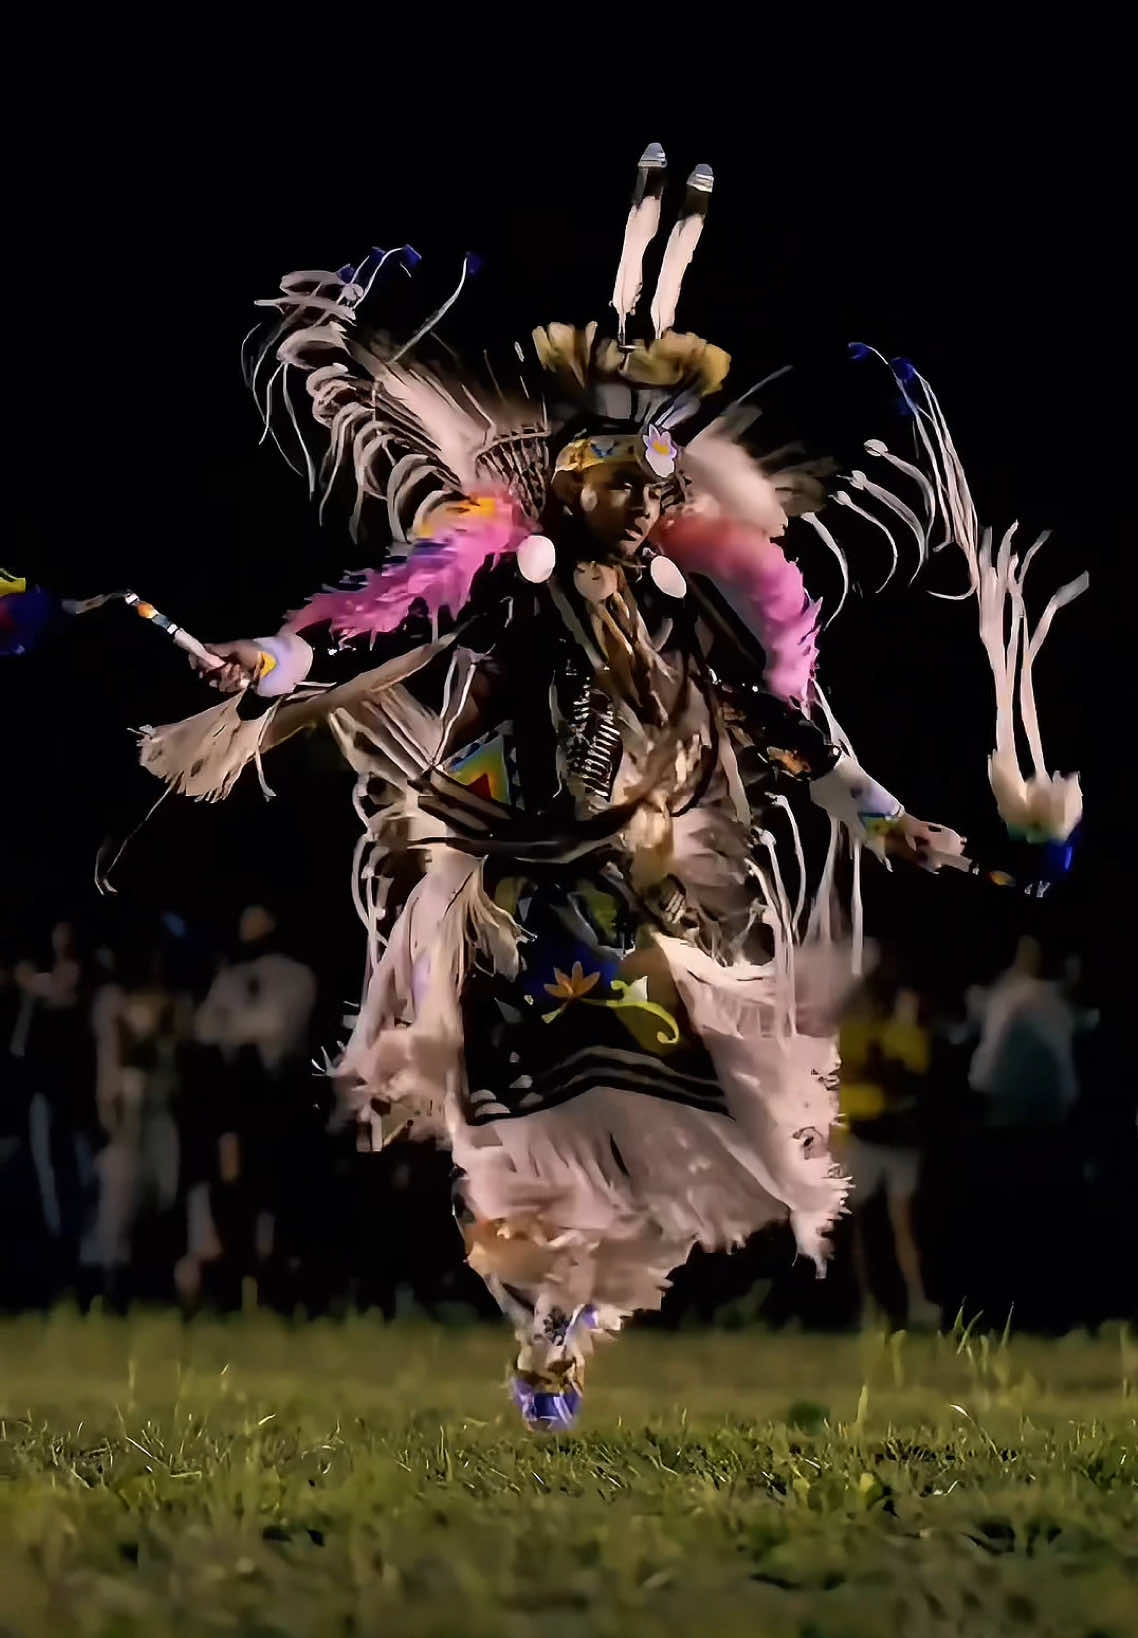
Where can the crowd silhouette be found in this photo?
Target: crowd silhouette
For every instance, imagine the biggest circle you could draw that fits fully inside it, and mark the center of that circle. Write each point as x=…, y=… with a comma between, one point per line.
x=166, y=1136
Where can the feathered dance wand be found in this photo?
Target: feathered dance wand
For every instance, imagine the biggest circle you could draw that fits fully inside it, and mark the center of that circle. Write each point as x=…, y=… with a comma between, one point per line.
x=177, y=634
x=201, y=757
x=204, y=755
x=1043, y=864
x=1041, y=810
x=27, y=613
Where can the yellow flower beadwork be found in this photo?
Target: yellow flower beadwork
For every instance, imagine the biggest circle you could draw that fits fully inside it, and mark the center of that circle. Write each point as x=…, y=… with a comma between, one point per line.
x=569, y=986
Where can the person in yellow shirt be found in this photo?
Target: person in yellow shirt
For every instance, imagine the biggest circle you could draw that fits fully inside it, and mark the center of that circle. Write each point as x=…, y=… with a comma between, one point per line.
x=885, y=1059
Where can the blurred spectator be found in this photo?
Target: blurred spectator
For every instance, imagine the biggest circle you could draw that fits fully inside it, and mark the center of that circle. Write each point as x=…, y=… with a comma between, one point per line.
x=1026, y=1179
x=140, y=1024
x=886, y=1056
x=192, y=1149
x=23, y=1233
x=52, y=1042
x=12, y=1121
x=1024, y=1065
x=253, y=1030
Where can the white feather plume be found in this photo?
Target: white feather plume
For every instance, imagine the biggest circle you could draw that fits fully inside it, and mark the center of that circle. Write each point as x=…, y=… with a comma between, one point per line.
x=641, y=228
x=677, y=257
x=722, y=472
x=455, y=433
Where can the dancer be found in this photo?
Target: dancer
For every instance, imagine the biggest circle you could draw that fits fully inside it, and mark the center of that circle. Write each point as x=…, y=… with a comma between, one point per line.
x=595, y=705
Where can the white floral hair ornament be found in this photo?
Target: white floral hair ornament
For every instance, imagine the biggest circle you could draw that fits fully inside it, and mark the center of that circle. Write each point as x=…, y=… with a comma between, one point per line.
x=659, y=451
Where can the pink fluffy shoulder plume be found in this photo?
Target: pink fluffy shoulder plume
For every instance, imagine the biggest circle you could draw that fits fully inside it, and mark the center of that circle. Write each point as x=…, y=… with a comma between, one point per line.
x=463, y=538
x=763, y=586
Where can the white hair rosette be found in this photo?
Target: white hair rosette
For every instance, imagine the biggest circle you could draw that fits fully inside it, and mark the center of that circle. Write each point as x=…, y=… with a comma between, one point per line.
x=537, y=559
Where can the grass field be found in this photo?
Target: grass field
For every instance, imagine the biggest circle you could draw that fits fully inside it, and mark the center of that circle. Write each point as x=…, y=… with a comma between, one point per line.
x=252, y=1478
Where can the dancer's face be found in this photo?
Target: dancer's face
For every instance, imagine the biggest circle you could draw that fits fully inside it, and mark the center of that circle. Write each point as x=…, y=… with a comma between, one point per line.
x=620, y=505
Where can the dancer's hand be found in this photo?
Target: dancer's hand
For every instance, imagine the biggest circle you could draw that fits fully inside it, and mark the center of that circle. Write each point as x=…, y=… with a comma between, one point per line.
x=921, y=843
x=243, y=660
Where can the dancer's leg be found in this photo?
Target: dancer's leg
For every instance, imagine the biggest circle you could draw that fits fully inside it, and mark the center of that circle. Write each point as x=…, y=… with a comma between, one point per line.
x=561, y=1289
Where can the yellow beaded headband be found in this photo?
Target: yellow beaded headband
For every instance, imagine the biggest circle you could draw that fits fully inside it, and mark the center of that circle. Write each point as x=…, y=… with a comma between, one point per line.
x=652, y=449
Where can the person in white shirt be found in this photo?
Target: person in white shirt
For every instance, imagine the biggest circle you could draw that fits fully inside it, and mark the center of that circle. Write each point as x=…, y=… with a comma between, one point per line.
x=254, y=1023
x=1027, y=1189
x=1024, y=1064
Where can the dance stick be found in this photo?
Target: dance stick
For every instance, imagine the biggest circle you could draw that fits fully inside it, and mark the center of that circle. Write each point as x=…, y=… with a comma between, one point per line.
x=1036, y=888
x=177, y=634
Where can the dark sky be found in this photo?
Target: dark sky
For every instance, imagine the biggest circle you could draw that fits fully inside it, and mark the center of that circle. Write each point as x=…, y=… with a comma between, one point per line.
x=970, y=227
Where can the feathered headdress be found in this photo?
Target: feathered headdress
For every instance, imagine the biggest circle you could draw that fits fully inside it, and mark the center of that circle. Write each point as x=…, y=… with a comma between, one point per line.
x=452, y=469
x=403, y=434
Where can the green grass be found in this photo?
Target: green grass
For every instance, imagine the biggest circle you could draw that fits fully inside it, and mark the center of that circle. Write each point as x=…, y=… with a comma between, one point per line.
x=258, y=1479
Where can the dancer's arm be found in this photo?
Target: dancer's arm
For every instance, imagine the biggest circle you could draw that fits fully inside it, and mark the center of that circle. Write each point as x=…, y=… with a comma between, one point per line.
x=797, y=747
x=875, y=817
x=243, y=657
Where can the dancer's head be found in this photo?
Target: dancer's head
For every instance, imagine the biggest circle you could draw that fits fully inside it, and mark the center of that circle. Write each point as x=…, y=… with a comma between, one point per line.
x=617, y=501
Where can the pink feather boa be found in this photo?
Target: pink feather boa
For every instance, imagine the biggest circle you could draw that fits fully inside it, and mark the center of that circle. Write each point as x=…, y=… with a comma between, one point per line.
x=439, y=572
x=762, y=585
